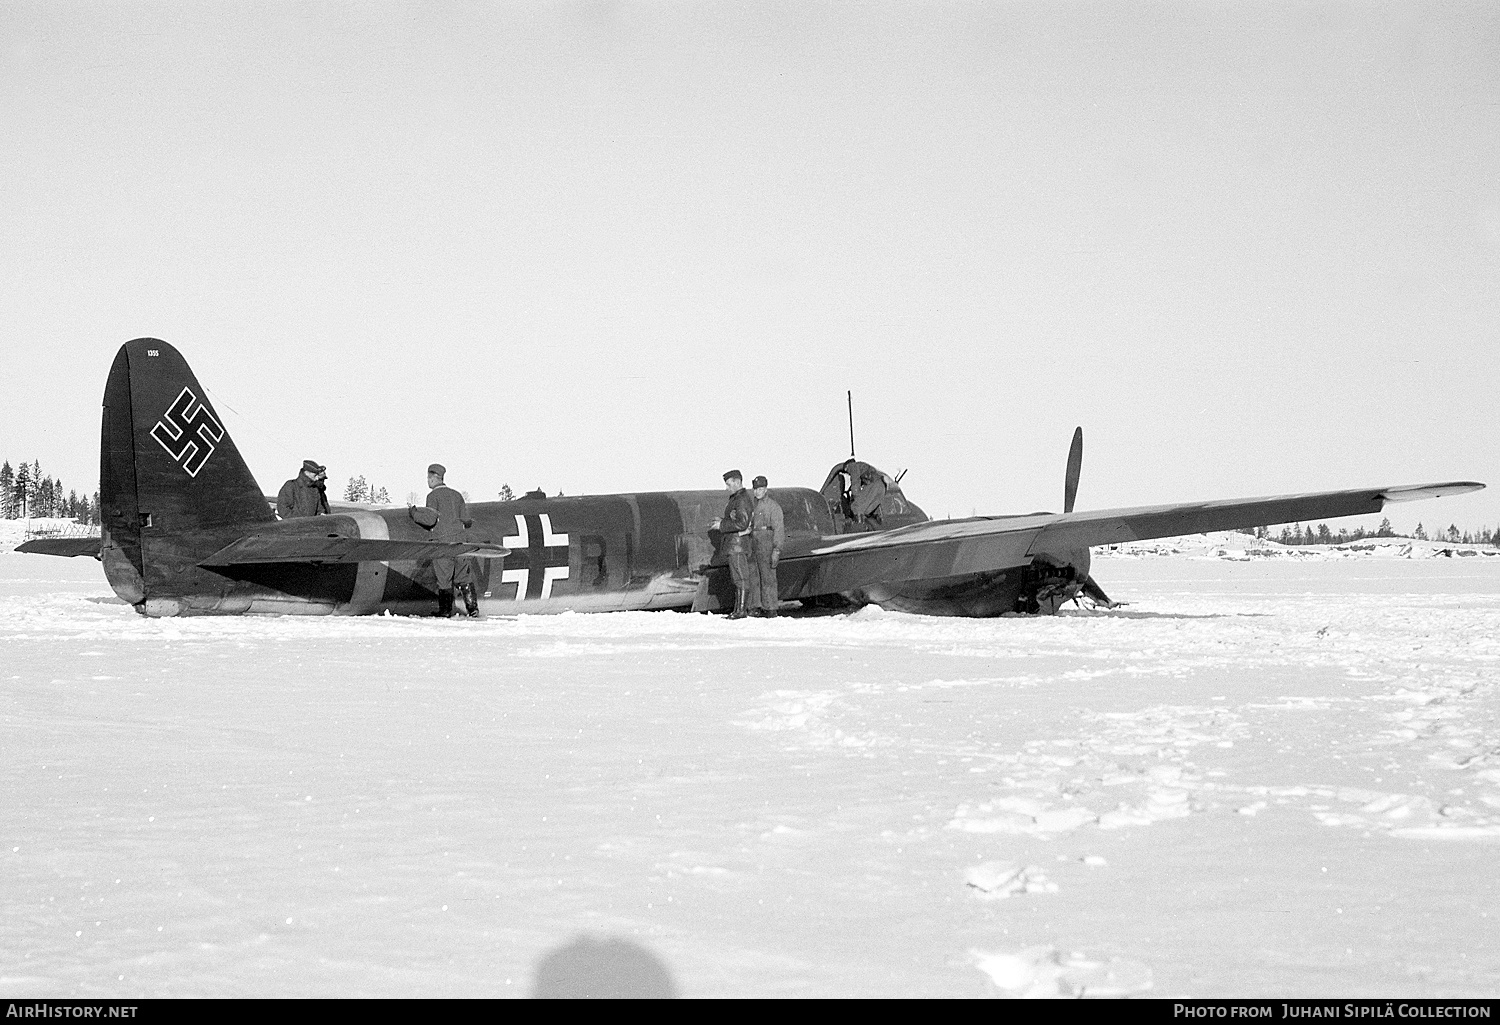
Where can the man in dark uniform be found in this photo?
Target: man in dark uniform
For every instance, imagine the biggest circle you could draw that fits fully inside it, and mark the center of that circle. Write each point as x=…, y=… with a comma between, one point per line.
x=305, y=494
x=452, y=520
x=734, y=526
x=767, y=534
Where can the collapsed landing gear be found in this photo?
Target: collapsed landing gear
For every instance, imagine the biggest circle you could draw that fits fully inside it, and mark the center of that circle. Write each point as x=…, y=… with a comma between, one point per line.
x=1046, y=588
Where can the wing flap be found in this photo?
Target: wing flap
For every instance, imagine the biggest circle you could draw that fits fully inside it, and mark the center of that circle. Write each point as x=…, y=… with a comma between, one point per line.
x=268, y=548
x=831, y=566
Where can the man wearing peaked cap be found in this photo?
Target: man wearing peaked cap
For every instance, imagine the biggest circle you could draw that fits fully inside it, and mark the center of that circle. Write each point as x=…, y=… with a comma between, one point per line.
x=767, y=534
x=734, y=528
x=452, y=521
x=305, y=494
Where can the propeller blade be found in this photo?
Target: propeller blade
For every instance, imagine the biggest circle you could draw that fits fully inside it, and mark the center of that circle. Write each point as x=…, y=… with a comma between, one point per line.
x=1094, y=593
x=1075, y=466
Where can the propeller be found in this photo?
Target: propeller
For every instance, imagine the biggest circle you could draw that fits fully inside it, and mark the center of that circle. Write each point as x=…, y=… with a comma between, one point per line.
x=1090, y=589
x=1075, y=465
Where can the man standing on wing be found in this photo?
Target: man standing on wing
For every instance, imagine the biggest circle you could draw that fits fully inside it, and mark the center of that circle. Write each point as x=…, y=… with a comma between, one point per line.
x=734, y=526
x=305, y=494
x=767, y=534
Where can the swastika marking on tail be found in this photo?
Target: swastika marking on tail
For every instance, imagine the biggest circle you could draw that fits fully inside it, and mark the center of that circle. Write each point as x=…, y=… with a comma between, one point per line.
x=188, y=432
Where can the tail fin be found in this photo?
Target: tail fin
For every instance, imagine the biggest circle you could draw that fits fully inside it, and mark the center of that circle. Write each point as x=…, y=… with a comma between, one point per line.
x=165, y=461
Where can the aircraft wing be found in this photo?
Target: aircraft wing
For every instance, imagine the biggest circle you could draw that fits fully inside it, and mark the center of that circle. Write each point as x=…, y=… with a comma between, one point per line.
x=265, y=548
x=1113, y=526
x=64, y=546
x=950, y=548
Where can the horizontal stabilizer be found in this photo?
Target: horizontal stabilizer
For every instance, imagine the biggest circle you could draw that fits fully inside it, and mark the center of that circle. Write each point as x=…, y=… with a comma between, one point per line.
x=64, y=546
x=266, y=548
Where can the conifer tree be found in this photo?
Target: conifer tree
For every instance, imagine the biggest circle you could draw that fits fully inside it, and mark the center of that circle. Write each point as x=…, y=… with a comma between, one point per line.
x=7, y=488
x=1419, y=533
x=21, y=491
x=506, y=494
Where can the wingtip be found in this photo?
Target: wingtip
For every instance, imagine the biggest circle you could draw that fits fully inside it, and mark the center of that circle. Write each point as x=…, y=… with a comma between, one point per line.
x=1417, y=492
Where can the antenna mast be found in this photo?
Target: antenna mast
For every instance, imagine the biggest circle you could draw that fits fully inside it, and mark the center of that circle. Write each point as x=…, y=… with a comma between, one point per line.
x=850, y=394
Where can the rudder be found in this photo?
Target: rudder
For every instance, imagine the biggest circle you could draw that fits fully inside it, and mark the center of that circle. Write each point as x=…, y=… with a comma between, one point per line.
x=189, y=474
x=166, y=462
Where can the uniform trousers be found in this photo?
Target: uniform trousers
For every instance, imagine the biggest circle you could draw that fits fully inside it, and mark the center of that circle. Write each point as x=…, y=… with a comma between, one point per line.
x=739, y=567
x=452, y=571
x=762, y=574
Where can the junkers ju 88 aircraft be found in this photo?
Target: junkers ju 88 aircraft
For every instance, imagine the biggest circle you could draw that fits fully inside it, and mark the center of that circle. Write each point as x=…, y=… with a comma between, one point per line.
x=188, y=531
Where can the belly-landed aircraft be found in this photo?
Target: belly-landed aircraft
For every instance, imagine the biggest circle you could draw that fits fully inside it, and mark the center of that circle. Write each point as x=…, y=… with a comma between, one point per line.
x=186, y=530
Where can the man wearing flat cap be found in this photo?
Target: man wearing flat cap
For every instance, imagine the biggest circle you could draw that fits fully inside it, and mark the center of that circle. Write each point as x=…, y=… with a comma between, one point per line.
x=305, y=494
x=767, y=534
x=452, y=520
x=734, y=528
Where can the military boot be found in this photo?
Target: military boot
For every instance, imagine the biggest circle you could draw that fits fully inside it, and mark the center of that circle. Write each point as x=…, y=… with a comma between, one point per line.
x=445, y=603
x=739, y=612
x=471, y=601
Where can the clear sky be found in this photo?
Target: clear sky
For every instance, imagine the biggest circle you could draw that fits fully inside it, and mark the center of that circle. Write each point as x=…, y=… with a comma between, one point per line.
x=1252, y=248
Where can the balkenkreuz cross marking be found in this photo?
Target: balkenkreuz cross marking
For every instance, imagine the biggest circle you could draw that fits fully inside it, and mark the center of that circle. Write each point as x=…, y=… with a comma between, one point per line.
x=546, y=556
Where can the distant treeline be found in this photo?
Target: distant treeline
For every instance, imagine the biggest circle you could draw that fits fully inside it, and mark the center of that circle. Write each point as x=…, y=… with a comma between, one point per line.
x=1323, y=535
x=27, y=491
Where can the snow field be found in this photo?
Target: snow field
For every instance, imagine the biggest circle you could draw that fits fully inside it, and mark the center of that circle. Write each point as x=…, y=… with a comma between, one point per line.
x=1256, y=779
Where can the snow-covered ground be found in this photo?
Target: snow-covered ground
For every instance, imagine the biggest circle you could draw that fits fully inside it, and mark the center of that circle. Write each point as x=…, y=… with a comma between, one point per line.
x=1275, y=776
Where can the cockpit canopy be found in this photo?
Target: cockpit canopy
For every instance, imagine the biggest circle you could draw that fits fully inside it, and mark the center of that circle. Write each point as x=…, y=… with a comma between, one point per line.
x=862, y=497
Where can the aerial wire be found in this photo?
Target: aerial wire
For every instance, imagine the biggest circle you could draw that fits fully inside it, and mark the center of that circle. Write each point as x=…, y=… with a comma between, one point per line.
x=850, y=395
x=278, y=442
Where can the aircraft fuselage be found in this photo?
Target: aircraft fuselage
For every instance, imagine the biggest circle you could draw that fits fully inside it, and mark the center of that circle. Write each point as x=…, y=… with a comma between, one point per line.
x=590, y=553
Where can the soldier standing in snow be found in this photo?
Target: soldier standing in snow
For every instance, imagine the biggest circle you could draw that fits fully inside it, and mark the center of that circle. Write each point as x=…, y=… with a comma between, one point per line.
x=767, y=534
x=452, y=520
x=734, y=526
